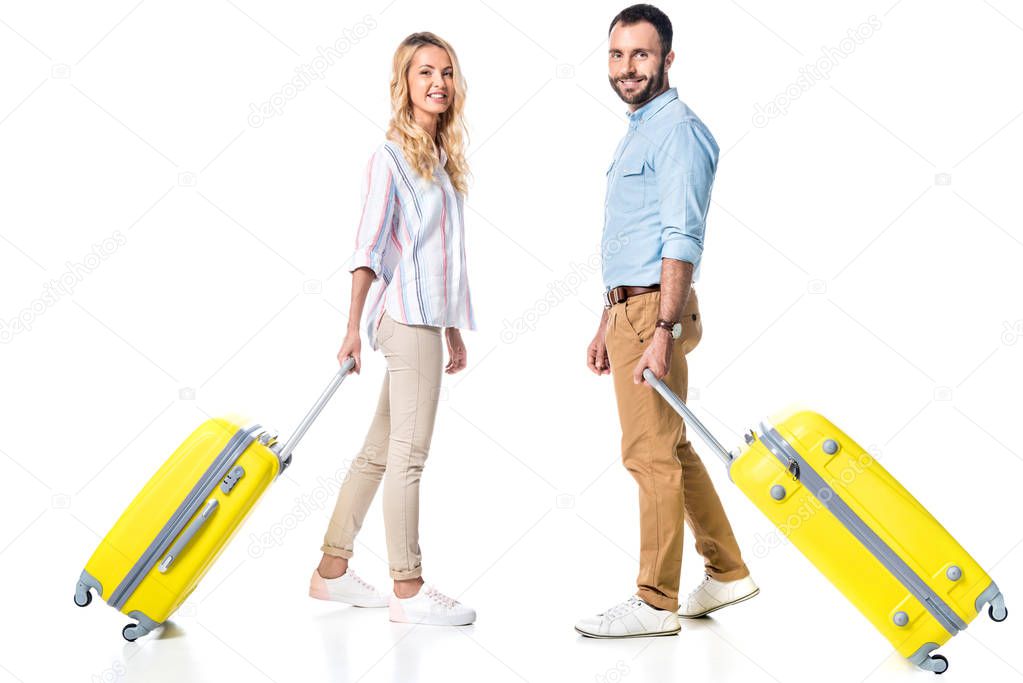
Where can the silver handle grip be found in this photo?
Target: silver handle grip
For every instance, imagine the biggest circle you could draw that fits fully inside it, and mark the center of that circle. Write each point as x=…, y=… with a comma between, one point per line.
x=285, y=453
x=683, y=410
x=188, y=534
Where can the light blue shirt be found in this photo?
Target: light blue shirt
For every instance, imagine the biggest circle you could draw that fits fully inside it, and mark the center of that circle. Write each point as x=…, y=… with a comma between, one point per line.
x=658, y=193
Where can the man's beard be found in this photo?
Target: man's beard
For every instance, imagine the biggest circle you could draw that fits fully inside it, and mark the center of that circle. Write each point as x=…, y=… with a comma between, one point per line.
x=654, y=84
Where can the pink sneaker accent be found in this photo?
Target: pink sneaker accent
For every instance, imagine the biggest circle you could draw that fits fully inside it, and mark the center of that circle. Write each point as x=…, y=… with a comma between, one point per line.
x=396, y=612
x=430, y=606
x=318, y=587
x=348, y=588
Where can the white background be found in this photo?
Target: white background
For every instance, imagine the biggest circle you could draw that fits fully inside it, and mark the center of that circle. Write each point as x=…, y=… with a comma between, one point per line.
x=841, y=270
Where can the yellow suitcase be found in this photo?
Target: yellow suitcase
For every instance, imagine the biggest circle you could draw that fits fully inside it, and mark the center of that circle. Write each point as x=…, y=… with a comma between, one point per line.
x=183, y=518
x=866, y=533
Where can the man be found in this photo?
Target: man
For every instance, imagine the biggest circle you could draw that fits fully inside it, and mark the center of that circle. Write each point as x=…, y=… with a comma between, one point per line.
x=658, y=193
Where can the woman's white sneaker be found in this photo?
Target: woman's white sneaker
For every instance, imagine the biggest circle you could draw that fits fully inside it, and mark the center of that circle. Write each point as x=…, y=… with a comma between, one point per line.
x=630, y=619
x=712, y=595
x=348, y=588
x=430, y=606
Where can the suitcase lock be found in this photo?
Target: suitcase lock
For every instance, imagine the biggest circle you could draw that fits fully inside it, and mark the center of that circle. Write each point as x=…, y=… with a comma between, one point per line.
x=793, y=469
x=232, y=478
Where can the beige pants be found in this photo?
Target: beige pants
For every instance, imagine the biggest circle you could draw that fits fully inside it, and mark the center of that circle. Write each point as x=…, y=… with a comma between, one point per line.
x=673, y=483
x=395, y=449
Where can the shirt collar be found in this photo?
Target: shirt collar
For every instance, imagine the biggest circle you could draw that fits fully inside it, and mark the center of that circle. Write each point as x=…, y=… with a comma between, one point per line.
x=443, y=158
x=653, y=106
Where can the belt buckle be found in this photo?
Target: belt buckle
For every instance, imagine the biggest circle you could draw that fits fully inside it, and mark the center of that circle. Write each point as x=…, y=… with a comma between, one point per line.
x=610, y=297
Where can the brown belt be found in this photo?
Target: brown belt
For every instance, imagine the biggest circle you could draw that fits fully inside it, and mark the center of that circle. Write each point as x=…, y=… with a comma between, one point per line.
x=617, y=295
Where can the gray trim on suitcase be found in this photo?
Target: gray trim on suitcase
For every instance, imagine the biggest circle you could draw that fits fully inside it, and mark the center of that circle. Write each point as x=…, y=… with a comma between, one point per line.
x=994, y=596
x=786, y=454
x=85, y=582
x=188, y=534
x=923, y=659
x=146, y=625
x=200, y=492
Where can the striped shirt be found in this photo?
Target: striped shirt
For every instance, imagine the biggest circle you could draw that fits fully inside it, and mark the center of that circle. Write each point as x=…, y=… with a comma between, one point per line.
x=411, y=234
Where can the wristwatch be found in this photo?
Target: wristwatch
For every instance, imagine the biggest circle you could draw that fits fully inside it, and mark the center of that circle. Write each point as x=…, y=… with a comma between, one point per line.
x=674, y=328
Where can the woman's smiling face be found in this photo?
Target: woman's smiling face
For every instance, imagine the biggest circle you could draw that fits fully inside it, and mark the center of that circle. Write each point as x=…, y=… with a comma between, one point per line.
x=431, y=81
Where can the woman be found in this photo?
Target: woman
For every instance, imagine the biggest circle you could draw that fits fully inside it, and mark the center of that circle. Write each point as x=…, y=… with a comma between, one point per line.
x=409, y=263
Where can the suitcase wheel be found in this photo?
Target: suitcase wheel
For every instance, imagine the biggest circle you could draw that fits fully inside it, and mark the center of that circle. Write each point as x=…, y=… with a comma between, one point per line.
x=129, y=632
x=83, y=590
x=998, y=615
x=143, y=625
x=936, y=663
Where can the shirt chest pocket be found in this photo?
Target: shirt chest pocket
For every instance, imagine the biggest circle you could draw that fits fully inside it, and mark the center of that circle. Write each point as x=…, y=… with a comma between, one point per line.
x=632, y=181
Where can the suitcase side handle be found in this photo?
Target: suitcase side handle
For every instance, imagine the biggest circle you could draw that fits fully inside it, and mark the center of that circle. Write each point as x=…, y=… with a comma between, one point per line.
x=188, y=534
x=284, y=455
x=683, y=410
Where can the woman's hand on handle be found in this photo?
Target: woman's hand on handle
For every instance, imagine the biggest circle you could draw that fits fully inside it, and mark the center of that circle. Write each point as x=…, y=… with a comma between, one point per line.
x=362, y=278
x=351, y=347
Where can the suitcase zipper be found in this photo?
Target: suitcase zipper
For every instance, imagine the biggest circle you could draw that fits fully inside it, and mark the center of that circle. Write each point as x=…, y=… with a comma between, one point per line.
x=178, y=521
x=793, y=469
x=802, y=470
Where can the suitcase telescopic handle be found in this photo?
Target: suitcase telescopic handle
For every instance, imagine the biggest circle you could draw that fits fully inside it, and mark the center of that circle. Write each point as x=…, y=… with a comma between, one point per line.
x=683, y=410
x=285, y=453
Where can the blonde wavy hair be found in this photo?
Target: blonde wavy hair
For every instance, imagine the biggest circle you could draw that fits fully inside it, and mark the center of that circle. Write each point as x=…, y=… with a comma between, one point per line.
x=403, y=130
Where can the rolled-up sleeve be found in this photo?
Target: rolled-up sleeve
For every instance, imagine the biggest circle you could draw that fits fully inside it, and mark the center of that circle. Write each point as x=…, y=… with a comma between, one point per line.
x=685, y=168
x=378, y=202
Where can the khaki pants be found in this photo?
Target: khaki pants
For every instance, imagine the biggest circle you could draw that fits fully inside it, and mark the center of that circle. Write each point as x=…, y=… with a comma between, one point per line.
x=673, y=483
x=395, y=449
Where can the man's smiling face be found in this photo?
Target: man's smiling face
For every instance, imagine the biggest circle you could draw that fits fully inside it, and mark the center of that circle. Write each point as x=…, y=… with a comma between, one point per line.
x=636, y=68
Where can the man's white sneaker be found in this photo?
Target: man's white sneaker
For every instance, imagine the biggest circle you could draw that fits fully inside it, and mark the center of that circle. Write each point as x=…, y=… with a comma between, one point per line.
x=348, y=588
x=630, y=619
x=712, y=595
x=431, y=607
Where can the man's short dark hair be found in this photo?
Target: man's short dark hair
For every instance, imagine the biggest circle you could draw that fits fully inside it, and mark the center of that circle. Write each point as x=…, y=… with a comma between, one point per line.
x=637, y=13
